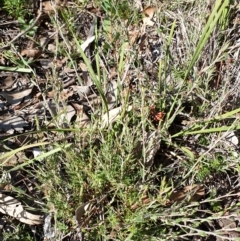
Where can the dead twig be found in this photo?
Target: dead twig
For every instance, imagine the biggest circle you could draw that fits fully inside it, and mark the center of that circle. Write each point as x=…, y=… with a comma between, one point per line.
x=9, y=23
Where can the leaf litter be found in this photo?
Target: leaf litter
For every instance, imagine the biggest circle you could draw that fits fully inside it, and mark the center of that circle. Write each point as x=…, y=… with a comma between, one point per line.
x=73, y=98
x=60, y=110
x=13, y=208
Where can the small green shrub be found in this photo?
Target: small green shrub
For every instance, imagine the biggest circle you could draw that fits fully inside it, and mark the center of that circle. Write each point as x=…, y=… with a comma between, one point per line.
x=16, y=8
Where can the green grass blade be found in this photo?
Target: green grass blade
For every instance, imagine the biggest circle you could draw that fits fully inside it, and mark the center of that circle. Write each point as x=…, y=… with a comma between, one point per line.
x=10, y=154
x=96, y=79
x=211, y=23
x=39, y=158
x=120, y=64
x=210, y=130
x=15, y=69
x=227, y=115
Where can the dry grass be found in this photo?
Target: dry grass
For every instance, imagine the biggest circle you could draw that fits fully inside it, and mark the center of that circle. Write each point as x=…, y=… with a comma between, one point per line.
x=166, y=166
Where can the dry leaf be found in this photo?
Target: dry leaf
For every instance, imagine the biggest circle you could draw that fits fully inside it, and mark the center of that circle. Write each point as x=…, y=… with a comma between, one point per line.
x=80, y=212
x=148, y=21
x=148, y=13
x=150, y=145
x=93, y=100
x=112, y=116
x=82, y=119
x=87, y=42
x=12, y=161
x=67, y=116
x=45, y=63
x=112, y=93
x=5, y=181
x=63, y=95
x=192, y=193
x=51, y=47
x=2, y=60
x=82, y=91
x=231, y=138
x=83, y=67
x=31, y=53
x=59, y=62
x=142, y=41
x=15, y=97
x=133, y=35
x=13, y=123
x=68, y=70
x=8, y=82
x=227, y=223
x=155, y=114
x=13, y=208
x=36, y=152
x=50, y=6
x=50, y=94
x=64, y=114
x=111, y=100
x=138, y=4
x=87, y=80
x=42, y=40
x=49, y=232
x=112, y=73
